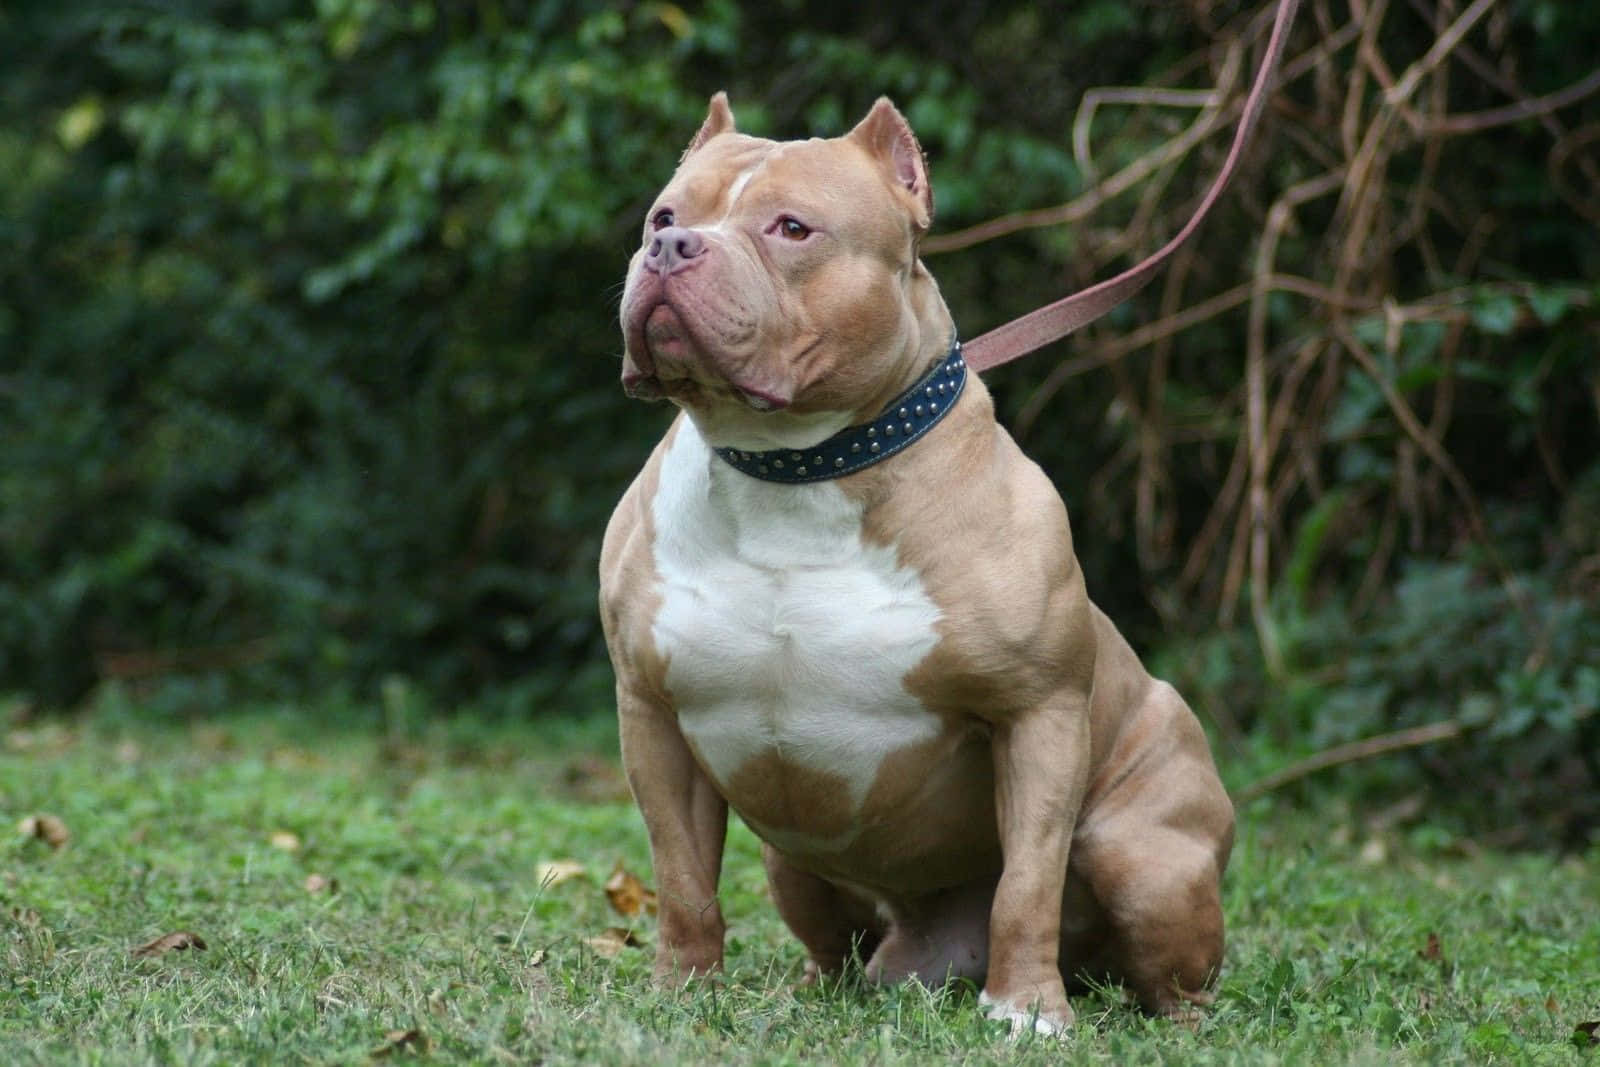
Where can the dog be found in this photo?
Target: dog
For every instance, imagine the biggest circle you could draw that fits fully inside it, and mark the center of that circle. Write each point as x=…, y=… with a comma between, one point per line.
x=840, y=600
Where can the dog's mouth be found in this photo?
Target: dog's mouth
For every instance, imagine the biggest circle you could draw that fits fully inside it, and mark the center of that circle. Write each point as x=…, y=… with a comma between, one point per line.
x=674, y=367
x=642, y=386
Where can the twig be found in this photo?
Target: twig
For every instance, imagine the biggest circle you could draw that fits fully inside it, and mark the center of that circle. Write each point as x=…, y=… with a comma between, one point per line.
x=1083, y=156
x=1353, y=752
x=1477, y=121
x=1442, y=47
x=1261, y=445
x=1082, y=207
x=1430, y=447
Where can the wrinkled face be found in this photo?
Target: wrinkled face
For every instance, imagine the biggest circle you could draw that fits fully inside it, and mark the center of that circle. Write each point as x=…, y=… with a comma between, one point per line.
x=773, y=290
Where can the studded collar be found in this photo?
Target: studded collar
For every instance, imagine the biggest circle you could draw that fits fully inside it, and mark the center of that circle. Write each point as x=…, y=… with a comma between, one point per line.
x=909, y=416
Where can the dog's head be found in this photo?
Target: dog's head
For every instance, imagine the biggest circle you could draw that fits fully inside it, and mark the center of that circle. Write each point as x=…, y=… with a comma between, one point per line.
x=776, y=294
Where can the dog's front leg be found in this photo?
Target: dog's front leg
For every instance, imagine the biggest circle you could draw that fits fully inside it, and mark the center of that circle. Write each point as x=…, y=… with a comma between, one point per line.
x=1041, y=770
x=687, y=821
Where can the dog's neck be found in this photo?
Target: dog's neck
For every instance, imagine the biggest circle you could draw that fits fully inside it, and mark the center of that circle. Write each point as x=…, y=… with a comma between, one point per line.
x=901, y=423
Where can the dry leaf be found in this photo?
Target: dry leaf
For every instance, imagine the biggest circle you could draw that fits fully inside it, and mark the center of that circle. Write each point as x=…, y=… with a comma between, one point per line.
x=178, y=941
x=321, y=883
x=47, y=828
x=412, y=1040
x=537, y=958
x=612, y=940
x=25, y=916
x=1432, y=951
x=285, y=840
x=628, y=895
x=552, y=873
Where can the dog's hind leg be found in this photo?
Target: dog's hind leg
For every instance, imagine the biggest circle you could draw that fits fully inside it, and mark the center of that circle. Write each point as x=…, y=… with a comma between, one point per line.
x=1152, y=853
x=831, y=922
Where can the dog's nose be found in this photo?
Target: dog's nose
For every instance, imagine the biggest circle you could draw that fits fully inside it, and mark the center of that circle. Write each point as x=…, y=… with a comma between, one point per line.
x=673, y=248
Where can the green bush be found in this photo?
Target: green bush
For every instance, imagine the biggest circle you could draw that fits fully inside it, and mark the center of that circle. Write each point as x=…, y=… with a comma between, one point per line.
x=308, y=345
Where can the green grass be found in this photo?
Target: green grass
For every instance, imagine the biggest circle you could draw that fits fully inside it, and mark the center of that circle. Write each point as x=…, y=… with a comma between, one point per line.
x=437, y=924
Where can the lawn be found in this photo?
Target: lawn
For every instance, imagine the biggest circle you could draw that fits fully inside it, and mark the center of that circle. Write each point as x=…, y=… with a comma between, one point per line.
x=1353, y=938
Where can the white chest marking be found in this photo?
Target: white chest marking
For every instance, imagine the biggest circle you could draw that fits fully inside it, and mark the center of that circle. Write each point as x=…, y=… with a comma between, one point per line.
x=784, y=631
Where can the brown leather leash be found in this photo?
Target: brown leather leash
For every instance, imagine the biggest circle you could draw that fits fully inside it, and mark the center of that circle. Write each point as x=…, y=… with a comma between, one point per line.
x=1054, y=321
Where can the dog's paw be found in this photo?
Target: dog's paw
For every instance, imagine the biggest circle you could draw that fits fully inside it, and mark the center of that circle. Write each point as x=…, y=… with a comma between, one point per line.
x=1031, y=1018
x=677, y=971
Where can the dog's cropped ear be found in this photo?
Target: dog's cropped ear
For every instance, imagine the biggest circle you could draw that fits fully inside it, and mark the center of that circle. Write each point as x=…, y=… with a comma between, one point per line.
x=719, y=119
x=887, y=135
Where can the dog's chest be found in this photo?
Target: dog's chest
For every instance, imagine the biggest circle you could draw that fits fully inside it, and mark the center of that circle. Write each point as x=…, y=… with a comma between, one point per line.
x=787, y=635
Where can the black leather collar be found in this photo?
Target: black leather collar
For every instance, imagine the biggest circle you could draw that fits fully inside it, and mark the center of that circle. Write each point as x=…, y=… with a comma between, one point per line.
x=909, y=416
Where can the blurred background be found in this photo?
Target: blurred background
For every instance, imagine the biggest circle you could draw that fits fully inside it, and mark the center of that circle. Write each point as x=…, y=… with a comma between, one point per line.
x=309, y=355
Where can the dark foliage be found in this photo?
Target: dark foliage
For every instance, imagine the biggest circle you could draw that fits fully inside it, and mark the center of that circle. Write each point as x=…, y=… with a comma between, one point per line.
x=308, y=351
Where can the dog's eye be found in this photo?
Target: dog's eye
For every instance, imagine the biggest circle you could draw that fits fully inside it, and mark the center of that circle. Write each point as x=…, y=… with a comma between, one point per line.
x=793, y=228
x=662, y=219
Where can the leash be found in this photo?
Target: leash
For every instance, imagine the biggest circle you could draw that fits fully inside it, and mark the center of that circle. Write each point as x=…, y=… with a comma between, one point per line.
x=1054, y=321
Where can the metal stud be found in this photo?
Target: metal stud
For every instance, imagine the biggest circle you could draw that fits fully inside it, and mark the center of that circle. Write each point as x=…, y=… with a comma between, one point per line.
x=872, y=431
x=817, y=461
x=902, y=413
x=941, y=389
x=927, y=391
x=921, y=410
x=778, y=463
x=909, y=427
x=795, y=456
x=840, y=461
x=800, y=471
x=875, y=447
x=889, y=430
x=855, y=448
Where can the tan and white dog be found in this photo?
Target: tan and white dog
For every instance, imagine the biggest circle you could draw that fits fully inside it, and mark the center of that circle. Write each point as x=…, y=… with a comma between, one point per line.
x=840, y=600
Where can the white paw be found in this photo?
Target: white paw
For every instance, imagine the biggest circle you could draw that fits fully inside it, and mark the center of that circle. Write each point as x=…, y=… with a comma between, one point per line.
x=1024, y=1020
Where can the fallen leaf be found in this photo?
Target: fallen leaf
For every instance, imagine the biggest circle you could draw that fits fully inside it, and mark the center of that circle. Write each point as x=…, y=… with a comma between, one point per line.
x=537, y=958
x=552, y=873
x=1373, y=852
x=628, y=895
x=1550, y=1004
x=412, y=1040
x=24, y=916
x=47, y=828
x=1586, y=1035
x=1432, y=951
x=178, y=941
x=321, y=883
x=612, y=940
x=285, y=840
x=1424, y=1001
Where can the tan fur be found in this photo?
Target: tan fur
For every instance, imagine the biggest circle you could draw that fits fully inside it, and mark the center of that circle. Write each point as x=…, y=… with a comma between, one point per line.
x=1067, y=814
